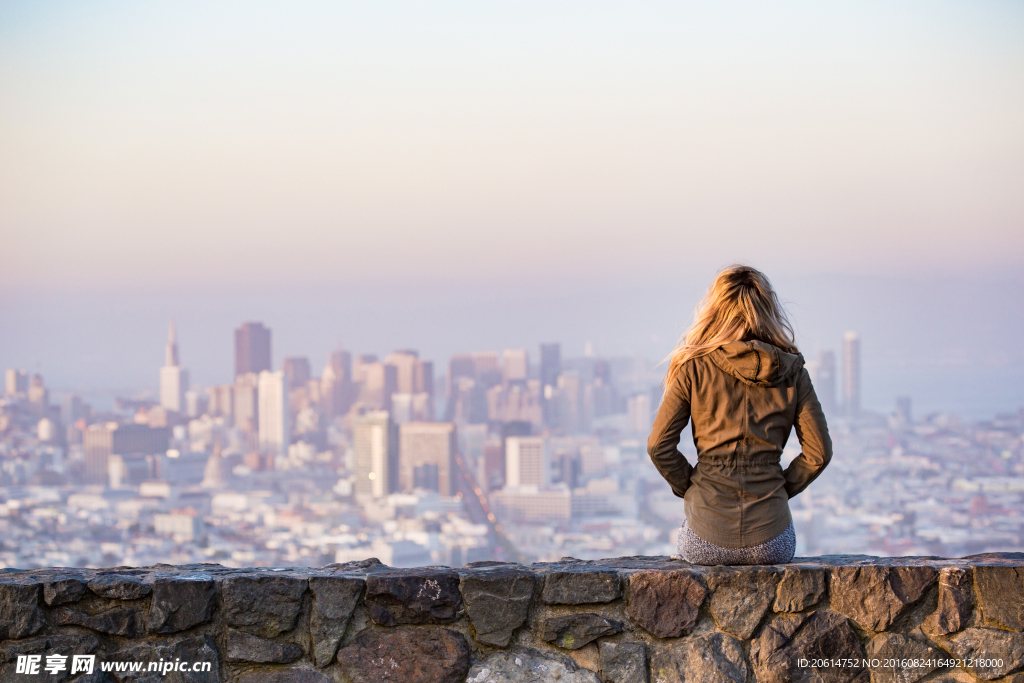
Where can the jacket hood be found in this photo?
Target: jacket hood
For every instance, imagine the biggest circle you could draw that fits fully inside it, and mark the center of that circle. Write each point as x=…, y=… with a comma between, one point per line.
x=757, y=363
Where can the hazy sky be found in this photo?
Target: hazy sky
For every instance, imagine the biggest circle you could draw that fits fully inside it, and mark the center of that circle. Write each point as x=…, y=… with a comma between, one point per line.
x=453, y=176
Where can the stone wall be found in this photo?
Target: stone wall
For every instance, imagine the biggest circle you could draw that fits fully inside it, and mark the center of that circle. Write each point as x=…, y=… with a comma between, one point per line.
x=629, y=619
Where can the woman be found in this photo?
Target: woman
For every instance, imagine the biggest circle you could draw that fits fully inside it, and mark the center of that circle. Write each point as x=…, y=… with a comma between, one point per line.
x=738, y=375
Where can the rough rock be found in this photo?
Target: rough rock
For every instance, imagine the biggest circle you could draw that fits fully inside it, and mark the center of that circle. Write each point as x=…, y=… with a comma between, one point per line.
x=799, y=588
x=334, y=600
x=119, y=621
x=955, y=602
x=19, y=609
x=43, y=645
x=874, y=596
x=406, y=655
x=524, y=665
x=497, y=602
x=60, y=591
x=896, y=647
x=581, y=587
x=666, y=603
x=1001, y=596
x=623, y=662
x=415, y=596
x=297, y=675
x=740, y=598
x=573, y=631
x=986, y=645
x=180, y=603
x=245, y=647
x=262, y=604
x=119, y=587
x=196, y=649
x=786, y=639
x=709, y=658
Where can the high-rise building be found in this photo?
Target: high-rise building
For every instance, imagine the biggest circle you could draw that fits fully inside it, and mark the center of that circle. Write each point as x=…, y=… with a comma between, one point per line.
x=525, y=461
x=246, y=402
x=100, y=441
x=379, y=384
x=336, y=388
x=252, y=349
x=851, y=374
x=274, y=432
x=17, y=382
x=638, y=410
x=550, y=369
x=173, y=377
x=375, y=442
x=514, y=365
x=426, y=456
x=296, y=371
x=405, y=370
x=824, y=380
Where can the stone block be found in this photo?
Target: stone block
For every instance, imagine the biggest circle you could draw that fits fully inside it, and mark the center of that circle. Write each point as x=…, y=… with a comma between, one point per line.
x=525, y=665
x=497, y=602
x=666, y=603
x=334, y=600
x=874, y=595
x=43, y=645
x=20, y=616
x=799, y=588
x=708, y=658
x=573, y=631
x=414, y=596
x=406, y=655
x=119, y=587
x=1001, y=596
x=195, y=649
x=776, y=653
x=994, y=653
x=294, y=675
x=180, y=602
x=956, y=600
x=245, y=647
x=119, y=621
x=62, y=590
x=581, y=587
x=262, y=604
x=623, y=662
x=896, y=648
x=740, y=598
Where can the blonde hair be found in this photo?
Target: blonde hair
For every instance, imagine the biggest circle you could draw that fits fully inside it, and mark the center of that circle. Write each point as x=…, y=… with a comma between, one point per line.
x=740, y=305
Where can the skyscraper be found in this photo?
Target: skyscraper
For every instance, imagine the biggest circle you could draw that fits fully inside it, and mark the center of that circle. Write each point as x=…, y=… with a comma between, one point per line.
x=17, y=382
x=514, y=365
x=525, y=461
x=252, y=349
x=851, y=374
x=426, y=454
x=173, y=377
x=376, y=454
x=274, y=432
x=336, y=386
x=296, y=371
x=550, y=369
x=825, y=381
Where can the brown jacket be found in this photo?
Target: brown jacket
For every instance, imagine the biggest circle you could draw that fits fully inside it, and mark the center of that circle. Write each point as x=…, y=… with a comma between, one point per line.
x=744, y=398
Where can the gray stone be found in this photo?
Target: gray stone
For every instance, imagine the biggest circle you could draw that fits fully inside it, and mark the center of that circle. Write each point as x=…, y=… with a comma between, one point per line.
x=119, y=621
x=192, y=650
x=263, y=604
x=525, y=665
x=785, y=640
x=19, y=609
x=709, y=658
x=43, y=645
x=245, y=647
x=874, y=596
x=623, y=662
x=995, y=653
x=740, y=598
x=60, y=591
x=800, y=588
x=581, y=587
x=334, y=600
x=497, y=602
x=955, y=602
x=406, y=655
x=573, y=631
x=414, y=596
x=1001, y=596
x=896, y=648
x=119, y=587
x=296, y=675
x=666, y=603
x=180, y=603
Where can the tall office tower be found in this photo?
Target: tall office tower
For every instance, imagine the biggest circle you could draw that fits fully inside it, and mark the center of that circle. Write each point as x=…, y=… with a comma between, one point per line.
x=514, y=365
x=17, y=382
x=296, y=371
x=570, y=400
x=375, y=442
x=336, y=388
x=252, y=349
x=550, y=369
x=173, y=377
x=38, y=394
x=423, y=378
x=221, y=401
x=405, y=362
x=851, y=374
x=526, y=461
x=825, y=381
x=487, y=367
x=246, y=403
x=426, y=457
x=274, y=431
x=101, y=441
x=638, y=410
x=379, y=384
x=459, y=367
x=360, y=364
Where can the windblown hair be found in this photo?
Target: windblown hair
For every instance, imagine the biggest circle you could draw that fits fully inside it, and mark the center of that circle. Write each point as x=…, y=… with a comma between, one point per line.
x=740, y=306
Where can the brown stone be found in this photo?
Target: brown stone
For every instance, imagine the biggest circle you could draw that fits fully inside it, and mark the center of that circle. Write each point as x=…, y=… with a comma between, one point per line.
x=497, y=602
x=874, y=596
x=666, y=603
x=406, y=655
x=889, y=648
x=295, y=675
x=180, y=603
x=1001, y=596
x=119, y=621
x=777, y=653
x=581, y=587
x=800, y=588
x=994, y=653
x=62, y=590
x=955, y=602
x=264, y=604
x=19, y=609
x=709, y=658
x=526, y=665
x=623, y=662
x=245, y=647
x=413, y=596
x=740, y=598
x=573, y=631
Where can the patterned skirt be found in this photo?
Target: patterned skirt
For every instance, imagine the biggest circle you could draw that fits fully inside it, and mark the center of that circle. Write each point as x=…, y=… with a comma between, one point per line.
x=696, y=550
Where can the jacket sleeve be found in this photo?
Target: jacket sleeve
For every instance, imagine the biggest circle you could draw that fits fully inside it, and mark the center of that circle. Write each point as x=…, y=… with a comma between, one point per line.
x=812, y=432
x=672, y=417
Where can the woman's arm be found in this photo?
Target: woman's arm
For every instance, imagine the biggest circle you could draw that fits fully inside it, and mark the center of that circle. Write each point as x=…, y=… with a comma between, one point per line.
x=812, y=432
x=672, y=417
